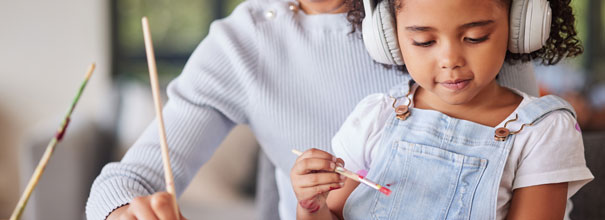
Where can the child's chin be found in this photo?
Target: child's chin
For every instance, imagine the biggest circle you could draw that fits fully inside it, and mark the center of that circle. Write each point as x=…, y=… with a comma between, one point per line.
x=456, y=99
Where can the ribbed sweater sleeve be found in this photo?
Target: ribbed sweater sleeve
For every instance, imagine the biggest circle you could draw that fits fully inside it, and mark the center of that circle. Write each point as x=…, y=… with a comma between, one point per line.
x=205, y=102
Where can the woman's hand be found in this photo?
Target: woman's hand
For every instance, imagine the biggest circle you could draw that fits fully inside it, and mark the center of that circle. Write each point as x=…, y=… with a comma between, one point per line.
x=153, y=207
x=313, y=177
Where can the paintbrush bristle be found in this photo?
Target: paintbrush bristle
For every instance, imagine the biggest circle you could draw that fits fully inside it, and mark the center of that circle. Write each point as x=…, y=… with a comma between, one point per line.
x=91, y=69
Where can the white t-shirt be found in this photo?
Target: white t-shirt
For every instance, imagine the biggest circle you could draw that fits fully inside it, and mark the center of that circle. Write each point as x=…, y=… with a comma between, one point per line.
x=550, y=151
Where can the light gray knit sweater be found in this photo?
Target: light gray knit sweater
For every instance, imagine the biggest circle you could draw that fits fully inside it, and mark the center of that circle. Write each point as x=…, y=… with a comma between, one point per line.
x=293, y=78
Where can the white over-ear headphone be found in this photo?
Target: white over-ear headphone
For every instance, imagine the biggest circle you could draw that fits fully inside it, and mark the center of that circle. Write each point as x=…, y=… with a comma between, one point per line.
x=530, y=22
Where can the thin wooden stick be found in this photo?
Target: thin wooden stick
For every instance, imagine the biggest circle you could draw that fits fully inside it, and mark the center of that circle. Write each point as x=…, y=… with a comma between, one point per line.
x=153, y=76
x=50, y=148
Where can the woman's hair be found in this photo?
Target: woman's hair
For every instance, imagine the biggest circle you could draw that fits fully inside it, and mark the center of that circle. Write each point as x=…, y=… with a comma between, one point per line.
x=563, y=41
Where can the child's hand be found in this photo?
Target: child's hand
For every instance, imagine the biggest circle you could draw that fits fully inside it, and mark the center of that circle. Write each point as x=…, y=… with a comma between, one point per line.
x=156, y=206
x=313, y=177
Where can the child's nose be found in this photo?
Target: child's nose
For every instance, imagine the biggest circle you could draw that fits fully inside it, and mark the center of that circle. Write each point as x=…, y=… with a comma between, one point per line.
x=451, y=56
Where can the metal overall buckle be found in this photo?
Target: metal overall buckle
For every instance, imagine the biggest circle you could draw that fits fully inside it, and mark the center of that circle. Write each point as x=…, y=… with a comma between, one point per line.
x=502, y=133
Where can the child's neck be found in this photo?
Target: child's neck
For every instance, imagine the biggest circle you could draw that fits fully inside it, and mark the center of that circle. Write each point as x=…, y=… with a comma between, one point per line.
x=490, y=107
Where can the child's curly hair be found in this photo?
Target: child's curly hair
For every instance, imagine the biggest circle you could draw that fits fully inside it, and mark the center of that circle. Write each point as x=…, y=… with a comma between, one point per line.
x=563, y=41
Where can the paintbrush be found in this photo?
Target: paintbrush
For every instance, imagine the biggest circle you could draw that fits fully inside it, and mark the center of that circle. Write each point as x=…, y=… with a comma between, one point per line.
x=356, y=177
x=33, y=181
x=153, y=79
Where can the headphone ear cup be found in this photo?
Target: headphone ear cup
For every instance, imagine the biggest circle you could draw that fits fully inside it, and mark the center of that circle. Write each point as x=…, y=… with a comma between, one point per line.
x=380, y=33
x=530, y=22
x=389, y=29
x=538, y=28
x=517, y=25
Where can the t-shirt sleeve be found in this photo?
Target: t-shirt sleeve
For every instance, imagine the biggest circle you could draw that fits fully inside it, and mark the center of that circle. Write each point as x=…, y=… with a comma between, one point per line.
x=360, y=132
x=554, y=153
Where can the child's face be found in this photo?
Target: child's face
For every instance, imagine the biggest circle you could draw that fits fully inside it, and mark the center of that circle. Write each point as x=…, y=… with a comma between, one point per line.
x=453, y=48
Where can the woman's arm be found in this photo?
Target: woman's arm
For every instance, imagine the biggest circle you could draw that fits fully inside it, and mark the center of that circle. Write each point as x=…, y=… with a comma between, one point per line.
x=205, y=102
x=539, y=202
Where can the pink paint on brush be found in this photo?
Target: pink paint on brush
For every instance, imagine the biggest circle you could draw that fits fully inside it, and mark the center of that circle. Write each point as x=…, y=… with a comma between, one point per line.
x=376, y=186
x=385, y=191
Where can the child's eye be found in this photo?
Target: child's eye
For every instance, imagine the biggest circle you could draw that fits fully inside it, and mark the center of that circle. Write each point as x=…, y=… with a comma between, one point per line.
x=476, y=40
x=423, y=44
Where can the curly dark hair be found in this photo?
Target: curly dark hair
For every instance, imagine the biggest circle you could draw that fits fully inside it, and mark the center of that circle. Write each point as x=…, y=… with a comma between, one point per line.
x=563, y=41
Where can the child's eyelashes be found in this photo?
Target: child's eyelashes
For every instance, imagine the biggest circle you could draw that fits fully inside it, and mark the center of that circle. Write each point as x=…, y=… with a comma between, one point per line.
x=423, y=44
x=476, y=40
x=467, y=39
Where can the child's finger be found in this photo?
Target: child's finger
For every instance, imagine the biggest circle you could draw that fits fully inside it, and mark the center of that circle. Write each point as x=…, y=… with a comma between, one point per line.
x=310, y=192
x=308, y=165
x=340, y=162
x=316, y=179
x=316, y=153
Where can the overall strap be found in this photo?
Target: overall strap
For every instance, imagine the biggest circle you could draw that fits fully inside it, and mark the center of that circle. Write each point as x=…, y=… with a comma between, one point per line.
x=537, y=109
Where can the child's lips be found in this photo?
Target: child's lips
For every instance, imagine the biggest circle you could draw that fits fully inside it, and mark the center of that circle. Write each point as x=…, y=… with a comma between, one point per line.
x=455, y=85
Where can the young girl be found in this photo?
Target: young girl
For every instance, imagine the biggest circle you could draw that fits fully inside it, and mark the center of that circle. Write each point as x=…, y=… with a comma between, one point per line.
x=452, y=143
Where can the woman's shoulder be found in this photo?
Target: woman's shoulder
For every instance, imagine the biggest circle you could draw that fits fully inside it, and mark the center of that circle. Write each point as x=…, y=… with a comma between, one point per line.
x=255, y=11
x=267, y=10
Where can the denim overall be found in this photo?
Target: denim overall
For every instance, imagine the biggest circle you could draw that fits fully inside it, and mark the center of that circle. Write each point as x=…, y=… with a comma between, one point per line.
x=439, y=167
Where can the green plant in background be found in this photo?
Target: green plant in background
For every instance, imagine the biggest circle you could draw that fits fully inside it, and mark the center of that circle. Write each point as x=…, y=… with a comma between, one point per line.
x=177, y=28
x=579, y=8
x=600, y=41
x=590, y=18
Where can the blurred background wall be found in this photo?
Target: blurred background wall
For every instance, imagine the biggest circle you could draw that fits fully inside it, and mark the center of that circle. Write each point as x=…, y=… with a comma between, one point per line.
x=45, y=49
x=46, y=46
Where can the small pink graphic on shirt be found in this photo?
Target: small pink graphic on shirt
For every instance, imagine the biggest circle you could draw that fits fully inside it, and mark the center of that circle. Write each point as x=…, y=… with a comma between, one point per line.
x=578, y=127
x=362, y=173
